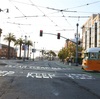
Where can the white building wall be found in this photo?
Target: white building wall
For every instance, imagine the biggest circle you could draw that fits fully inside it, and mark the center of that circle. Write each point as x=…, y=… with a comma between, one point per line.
x=91, y=24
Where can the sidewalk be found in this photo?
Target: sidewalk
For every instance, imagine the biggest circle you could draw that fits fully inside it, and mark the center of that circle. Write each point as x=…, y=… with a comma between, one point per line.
x=70, y=65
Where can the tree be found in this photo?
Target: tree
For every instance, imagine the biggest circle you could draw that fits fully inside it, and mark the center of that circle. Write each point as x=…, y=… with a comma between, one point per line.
x=71, y=49
x=69, y=52
x=63, y=54
x=19, y=42
x=51, y=53
x=29, y=43
x=10, y=37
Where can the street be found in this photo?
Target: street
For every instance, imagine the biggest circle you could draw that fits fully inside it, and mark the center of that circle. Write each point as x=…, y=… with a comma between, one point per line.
x=46, y=80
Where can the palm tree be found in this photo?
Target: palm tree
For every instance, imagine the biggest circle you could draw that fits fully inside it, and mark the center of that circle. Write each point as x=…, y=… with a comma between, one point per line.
x=19, y=42
x=10, y=37
x=28, y=43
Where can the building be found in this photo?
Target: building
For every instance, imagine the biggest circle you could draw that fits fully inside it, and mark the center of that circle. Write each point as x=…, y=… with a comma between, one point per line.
x=4, y=52
x=91, y=32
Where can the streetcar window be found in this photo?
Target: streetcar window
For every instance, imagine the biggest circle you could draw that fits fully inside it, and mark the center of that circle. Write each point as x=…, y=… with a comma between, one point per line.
x=99, y=56
x=93, y=55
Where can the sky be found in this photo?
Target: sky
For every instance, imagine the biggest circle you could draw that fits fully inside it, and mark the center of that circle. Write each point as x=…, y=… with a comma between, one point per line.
x=28, y=17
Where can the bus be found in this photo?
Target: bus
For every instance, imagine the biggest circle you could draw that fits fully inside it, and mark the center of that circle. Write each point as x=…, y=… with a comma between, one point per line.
x=91, y=60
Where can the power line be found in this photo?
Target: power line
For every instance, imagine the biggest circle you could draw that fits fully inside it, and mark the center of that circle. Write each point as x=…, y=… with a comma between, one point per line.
x=52, y=16
x=18, y=9
x=61, y=10
x=83, y=5
x=44, y=14
x=66, y=20
x=17, y=23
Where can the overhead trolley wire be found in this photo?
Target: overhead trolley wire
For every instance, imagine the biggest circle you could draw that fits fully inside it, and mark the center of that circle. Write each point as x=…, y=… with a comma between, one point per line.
x=84, y=5
x=66, y=20
x=62, y=10
x=44, y=14
x=58, y=10
x=17, y=23
x=18, y=9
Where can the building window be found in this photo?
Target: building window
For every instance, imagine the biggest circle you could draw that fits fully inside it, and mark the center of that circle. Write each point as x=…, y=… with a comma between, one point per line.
x=95, y=39
x=89, y=37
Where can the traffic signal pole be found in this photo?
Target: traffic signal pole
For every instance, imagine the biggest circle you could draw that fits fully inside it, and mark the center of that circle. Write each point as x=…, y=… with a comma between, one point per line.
x=76, y=59
x=61, y=37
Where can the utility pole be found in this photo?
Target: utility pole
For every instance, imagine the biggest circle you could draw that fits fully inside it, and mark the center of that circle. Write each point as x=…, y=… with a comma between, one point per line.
x=0, y=38
x=25, y=48
x=77, y=45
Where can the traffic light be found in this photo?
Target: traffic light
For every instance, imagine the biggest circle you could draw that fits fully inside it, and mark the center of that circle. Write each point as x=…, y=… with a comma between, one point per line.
x=58, y=36
x=41, y=32
x=79, y=42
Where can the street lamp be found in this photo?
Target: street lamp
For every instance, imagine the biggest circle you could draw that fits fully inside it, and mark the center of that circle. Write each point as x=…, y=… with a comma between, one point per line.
x=77, y=36
x=0, y=38
x=25, y=48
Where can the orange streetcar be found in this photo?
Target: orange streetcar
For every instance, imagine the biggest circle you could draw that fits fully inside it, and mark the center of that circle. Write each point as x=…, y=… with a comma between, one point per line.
x=91, y=61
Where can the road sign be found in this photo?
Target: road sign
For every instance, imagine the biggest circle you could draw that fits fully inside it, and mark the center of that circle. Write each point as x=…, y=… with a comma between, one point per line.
x=33, y=50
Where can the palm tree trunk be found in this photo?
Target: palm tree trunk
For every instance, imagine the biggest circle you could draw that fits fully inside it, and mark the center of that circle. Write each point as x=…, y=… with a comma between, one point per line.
x=28, y=53
x=20, y=51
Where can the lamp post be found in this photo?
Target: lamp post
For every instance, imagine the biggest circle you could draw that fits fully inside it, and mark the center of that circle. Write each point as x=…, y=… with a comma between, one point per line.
x=25, y=48
x=76, y=36
x=0, y=38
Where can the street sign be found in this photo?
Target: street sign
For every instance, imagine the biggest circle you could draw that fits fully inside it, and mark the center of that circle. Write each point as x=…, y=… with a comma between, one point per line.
x=33, y=50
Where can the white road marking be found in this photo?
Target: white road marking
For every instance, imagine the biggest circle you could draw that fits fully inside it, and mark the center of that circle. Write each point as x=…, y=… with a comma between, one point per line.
x=79, y=76
x=44, y=75
x=30, y=75
x=40, y=75
x=37, y=67
x=51, y=75
x=4, y=73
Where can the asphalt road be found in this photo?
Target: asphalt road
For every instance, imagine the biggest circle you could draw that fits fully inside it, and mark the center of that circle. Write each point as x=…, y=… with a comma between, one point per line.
x=46, y=80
